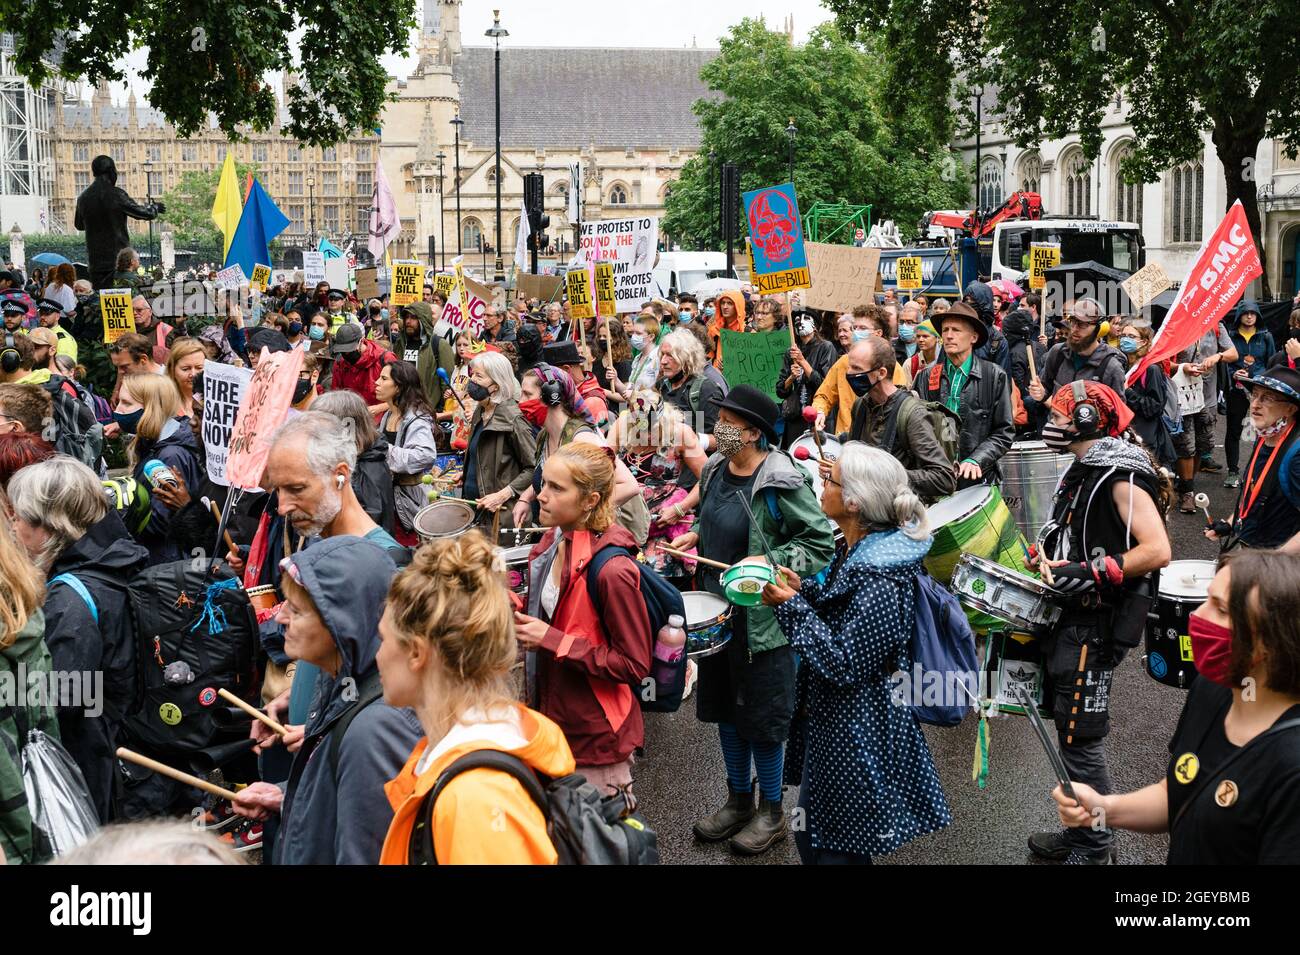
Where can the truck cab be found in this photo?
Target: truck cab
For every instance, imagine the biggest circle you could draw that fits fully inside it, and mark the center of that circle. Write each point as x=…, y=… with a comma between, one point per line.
x=1116, y=245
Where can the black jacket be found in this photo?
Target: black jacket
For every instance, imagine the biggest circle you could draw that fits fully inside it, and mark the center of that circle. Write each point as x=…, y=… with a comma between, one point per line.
x=1146, y=399
x=987, y=429
x=372, y=482
x=101, y=213
x=104, y=560
x=180, y=452
x=821, y=355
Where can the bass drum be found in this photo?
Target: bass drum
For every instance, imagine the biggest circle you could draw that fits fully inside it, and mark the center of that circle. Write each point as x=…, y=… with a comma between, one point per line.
x=1030, y=474
x=1184, y=585
x=831, y=449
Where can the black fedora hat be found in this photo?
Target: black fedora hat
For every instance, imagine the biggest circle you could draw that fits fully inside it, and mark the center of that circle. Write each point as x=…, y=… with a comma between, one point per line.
x=563, y=353
x=755, y=407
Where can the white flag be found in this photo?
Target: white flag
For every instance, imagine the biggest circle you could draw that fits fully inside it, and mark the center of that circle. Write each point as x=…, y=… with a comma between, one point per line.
x=385, y=223
x=575, y=190
x=521, y=243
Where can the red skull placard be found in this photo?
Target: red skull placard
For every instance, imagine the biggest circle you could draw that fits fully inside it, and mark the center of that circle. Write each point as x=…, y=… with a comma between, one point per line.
x=773, y=224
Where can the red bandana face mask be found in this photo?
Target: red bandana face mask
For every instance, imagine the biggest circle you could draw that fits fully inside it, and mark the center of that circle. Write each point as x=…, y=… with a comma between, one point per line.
x=1211, y=650
x=534, y=411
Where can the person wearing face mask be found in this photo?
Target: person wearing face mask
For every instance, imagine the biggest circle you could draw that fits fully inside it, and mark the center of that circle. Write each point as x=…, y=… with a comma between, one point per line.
x=377, y=322
x=896, y=421
x=318, y=331
x=645, y=353
x=1146, y=394
x=834, y=399
x=295, y=331
x=1267, y=512
x=358, y=362
x=1105, y=543
x=909, y=317
x=1232, y=782
x=803, y=370
x=408, y=427
x=528, y=344
x=1083, y=356
x=749, y=688
x=1254, y=347
x=501, y=448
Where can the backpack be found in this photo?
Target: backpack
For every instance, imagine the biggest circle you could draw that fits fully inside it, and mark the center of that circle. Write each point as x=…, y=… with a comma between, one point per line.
x=942, y=643
x=130, y=498
x=76, y=431
x=945, y=422
x=662, y=600
x=185, y=618
x=585, y=827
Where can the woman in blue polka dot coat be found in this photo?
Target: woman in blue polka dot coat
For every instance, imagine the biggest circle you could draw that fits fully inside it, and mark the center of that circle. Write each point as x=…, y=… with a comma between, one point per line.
x=867, y=782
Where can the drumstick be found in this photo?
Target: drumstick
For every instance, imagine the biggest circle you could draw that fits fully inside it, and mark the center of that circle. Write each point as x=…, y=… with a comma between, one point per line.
x=1033, y=372
x=216, y=512
x=1078, y=692
x=703, y=560
x=1203, y=502
x=252, y=711
x=165, y=770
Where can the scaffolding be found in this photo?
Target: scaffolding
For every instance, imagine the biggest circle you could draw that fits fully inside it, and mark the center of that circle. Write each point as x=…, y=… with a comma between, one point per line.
x=836, y=221
x=26, y=144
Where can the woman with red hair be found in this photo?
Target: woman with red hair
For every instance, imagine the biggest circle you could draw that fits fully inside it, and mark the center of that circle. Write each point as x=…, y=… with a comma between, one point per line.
x=19, y=449
x=1104, y=544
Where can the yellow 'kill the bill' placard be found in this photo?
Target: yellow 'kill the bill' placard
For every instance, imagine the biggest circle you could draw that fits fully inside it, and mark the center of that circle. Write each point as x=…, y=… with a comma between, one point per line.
x=909, y=272
x=115, y=308
x=1042, y=256
x=605, y=303
x=261, y=277
x=408, y=280
x=578, y=285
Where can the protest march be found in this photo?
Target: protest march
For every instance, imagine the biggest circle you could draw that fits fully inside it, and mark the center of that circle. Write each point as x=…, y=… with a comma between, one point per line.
x=825, y=546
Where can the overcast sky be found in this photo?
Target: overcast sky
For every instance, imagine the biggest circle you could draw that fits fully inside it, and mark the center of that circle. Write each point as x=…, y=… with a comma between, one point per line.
x=659, y=23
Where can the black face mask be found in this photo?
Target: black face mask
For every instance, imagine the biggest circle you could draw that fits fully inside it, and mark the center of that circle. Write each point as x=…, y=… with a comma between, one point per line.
x=860, y=382
x=352, y=357
x=302, y=390
x=477, y=391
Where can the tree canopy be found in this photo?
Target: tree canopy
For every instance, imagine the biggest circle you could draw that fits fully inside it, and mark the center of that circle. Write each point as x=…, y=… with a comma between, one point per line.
x=853, y=144
x=216, y=57
x=1182, y=67
x=189, y=205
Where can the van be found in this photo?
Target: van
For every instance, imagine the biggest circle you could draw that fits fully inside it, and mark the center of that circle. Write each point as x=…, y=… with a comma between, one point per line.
x=679, y=272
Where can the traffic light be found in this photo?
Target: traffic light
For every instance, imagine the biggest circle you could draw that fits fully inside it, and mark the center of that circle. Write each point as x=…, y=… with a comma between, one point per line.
x=538, y=220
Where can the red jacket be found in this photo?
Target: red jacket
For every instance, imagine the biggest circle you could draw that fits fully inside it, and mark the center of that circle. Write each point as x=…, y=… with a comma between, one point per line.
x=594, y=395
x=586, y=671
x=362, y=375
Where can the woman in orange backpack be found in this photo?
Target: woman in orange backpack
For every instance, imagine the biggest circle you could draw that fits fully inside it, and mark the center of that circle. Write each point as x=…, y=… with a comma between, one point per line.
x=448, y=643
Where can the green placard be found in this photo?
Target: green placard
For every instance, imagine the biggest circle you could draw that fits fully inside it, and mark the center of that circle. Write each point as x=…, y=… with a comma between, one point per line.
x=754, y=358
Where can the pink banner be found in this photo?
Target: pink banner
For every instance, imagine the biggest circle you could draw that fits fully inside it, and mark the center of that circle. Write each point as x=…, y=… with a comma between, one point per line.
x=1225, y=265
x=266, y=402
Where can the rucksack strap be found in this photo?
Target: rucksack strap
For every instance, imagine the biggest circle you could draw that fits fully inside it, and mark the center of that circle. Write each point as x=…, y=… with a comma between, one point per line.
x=421, y=849
x=82, y=591
x=694, y=394
x=370, y=690
x=898, y=421
x=597, y=564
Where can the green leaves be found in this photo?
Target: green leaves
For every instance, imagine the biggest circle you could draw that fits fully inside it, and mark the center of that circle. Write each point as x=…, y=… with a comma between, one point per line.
x=854, y=143
x=189, y=205
x=217, y=56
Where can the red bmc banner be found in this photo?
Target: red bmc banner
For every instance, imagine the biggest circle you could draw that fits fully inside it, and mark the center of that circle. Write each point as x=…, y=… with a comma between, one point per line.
x=1226, y=264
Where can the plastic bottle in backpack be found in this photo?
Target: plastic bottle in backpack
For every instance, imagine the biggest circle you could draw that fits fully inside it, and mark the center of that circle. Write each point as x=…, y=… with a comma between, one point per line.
x=670, y=644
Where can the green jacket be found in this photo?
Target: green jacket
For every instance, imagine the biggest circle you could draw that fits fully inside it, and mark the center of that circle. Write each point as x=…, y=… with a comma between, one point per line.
x=15, y=819
x=434, y=353
x=803, y=539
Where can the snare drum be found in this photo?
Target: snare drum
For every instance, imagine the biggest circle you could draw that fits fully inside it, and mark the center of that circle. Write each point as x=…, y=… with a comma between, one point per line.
x=1021, y=601
x=831, y=449
x=447, y=517
x=1184, y=585
x=516, y=565
x=708, y=623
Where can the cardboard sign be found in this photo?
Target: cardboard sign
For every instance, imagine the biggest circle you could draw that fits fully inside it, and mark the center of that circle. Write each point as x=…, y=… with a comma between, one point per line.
x=231, y=278
x=754, y=358
x=367, y=283
x=843, y=276
x=776, y=239
x=223, y=391
x=408, y=281
x=630, y=244
x=1145, y=284
x=115, y=307
x=262, y=410
x=606, y=306
x=1042, y=256
x=313, y=267
x=909, y=272
x=578, y=285
x=261, y=277
x=543, y=287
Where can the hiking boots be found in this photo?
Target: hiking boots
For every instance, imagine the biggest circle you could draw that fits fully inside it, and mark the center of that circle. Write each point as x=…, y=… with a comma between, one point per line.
x=1187, y=502
x=728, y=820
x=767, y=827
x=1049, y=845
x=1210, y=466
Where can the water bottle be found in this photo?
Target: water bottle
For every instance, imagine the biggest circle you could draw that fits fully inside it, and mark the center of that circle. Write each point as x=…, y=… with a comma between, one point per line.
x=155, y=472
x=670, y=644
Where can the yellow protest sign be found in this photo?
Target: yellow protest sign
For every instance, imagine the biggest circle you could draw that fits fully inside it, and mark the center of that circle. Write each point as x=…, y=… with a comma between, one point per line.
x=909, y=272
x=1042, y=256
x=261, y=277
x=578, y=285
x=444, y=282
x=115, y=307
x=605, y=304
x=408, y=277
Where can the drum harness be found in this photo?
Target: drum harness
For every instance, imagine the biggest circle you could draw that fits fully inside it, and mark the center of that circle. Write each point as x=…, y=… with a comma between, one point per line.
x=1063, y=531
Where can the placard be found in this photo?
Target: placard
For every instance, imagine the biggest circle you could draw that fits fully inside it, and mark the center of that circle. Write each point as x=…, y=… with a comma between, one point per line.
x=630, y=245
x=223, y=390
x=265, y=403
x=754, y=358
x=909, y=272
x=408, y=281
x=1042, y=256
x=115, y=307
x=231, y=278
x=261, y=276
x=1145, y=284
x=313, y=267
x=780, y=261
x=543, y=287
x=843, y=276
x=606, y=306
x=577, y=284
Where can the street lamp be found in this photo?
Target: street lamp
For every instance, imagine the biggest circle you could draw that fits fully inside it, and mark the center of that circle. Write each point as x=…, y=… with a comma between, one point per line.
x=311, y=209
x=457, y=122
x=1002, y=186
x=442, y=210
x=496, y=33
x=790, y=132
x=148, y=193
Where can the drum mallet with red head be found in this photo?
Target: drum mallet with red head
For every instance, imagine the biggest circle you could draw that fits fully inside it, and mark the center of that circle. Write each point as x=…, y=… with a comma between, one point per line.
x=810, y=415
